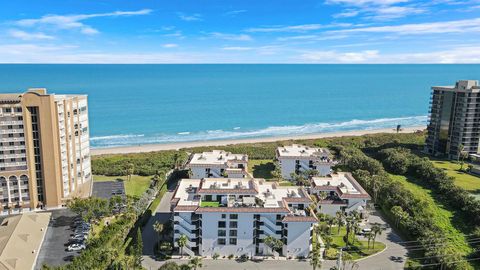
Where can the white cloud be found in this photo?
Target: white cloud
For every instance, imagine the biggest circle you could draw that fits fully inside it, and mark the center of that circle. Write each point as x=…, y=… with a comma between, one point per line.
x=459, y=26
x=312, y=37
x=71, y=22
x=288, y=28
x=366, y=2
x=170, y=45
x=239, y=37
x=233, y=48
x=32, y=53
x=339, y=57
x=347, y=13
x=177, y=34
x=234, y=13
x=393, y=12
x=461, y=54
x=29, y=36
x=189, y=18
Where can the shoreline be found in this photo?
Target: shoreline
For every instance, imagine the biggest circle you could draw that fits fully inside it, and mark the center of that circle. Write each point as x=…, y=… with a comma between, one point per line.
x=176, y=146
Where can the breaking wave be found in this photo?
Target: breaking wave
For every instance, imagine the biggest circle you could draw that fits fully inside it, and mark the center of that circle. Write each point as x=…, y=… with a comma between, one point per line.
x=273, y=131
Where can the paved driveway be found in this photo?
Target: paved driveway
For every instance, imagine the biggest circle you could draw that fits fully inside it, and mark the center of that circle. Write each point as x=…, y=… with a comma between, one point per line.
x=162, y=214
x=393, y=257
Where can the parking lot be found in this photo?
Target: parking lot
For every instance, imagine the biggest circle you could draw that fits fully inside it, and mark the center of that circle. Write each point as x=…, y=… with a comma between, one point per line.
x=107, y=189
x=54, y=248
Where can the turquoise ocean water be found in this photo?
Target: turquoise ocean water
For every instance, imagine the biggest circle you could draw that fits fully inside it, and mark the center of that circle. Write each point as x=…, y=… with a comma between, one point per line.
x=142, y=104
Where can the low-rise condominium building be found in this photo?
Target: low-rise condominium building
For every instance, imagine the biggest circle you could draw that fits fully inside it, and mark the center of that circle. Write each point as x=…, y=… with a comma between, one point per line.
x=44, y=150
x=233, y=216
x=295, y=159
x=218, y=163
x=339, y=192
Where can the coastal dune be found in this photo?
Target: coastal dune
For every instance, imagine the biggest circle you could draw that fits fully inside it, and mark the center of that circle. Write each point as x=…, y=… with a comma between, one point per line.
x=175, y=146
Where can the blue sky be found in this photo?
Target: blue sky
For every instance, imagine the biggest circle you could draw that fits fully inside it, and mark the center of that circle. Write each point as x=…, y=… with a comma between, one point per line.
x=243, y=31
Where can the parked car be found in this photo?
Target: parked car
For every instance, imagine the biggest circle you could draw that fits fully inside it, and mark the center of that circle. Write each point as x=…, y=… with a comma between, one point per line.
x=365, y=231
x=76, y=247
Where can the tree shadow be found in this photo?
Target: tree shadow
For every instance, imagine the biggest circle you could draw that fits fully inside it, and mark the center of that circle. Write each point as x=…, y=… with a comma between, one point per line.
x=263, y=170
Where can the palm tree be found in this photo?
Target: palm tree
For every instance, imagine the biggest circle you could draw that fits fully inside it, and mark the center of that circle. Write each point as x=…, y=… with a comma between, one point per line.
x=196, y=262
x=461, y=148
x=328, y=241
x=349, y=224
x=374, y=182
x=330, y=221
x=130, y=169
x=182, y=242
x=158, y=228
x=369, y=236
x=176, y=158
x=273, y=243
x=339, y=216
x=277, y=173
x=315, y=260
x=376, y=230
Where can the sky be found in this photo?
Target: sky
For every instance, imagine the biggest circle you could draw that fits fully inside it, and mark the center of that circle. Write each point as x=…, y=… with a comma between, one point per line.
x=240, y=31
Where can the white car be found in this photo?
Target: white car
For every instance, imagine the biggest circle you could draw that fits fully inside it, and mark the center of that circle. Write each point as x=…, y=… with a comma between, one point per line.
x=366, y=230
x=75, y=247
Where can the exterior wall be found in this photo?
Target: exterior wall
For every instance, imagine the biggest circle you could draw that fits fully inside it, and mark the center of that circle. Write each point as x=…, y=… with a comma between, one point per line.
x=201, y=172
x=44, y=155
x=213, y=172
x=289, y=166
x=205, y=238
x=298, y=240
x=454, y=118
x=244, y=238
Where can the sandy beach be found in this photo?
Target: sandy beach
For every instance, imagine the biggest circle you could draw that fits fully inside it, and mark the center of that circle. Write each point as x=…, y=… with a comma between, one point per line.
x=176, y=146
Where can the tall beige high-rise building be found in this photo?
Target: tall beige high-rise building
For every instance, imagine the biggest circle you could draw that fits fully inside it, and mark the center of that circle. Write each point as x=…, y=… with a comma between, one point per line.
x=44, y=150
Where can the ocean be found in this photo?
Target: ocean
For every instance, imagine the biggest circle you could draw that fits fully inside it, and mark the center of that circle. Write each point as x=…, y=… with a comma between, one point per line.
x=147, y=104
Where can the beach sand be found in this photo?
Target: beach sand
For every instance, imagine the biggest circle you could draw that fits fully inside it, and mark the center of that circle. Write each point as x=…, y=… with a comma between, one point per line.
x=180, y=145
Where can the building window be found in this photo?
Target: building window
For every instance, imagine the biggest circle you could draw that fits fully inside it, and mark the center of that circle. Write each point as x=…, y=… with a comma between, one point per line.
x=233, y=224
x=233, y=233
x=19, y=109
x=233, y=241
x=222, y=224
x=221, y=241
x=233, y=216
x=222, y=233
x=224, y=215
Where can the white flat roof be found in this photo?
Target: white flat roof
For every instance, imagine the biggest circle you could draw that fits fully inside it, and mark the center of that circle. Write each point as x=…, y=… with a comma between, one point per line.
x=270, y=193
x=216, y=157
x=343, y=182
x=297, y=150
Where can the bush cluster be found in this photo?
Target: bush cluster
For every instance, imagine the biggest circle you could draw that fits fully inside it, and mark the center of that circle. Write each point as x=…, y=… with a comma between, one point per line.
x=417, y=225
x=143, y=164
x=403, y=161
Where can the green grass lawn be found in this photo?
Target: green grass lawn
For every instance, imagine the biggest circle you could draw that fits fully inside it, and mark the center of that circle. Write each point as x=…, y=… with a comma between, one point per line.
x=135, y=187
x=261, y=168
x=209, y=204
x=357, y=250
x=441, y=216
x=462, y=179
